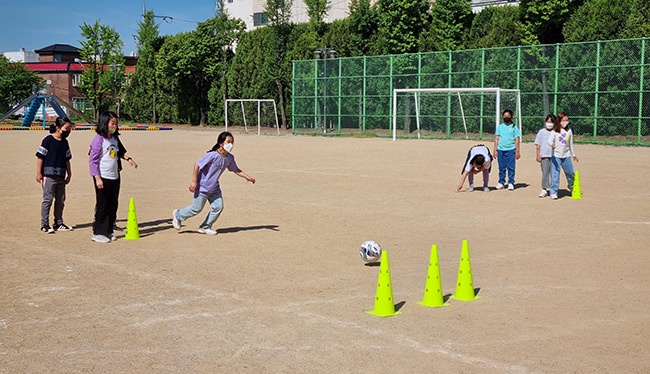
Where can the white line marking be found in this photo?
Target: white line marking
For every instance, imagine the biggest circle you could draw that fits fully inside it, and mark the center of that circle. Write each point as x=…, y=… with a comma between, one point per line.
x=630, y=222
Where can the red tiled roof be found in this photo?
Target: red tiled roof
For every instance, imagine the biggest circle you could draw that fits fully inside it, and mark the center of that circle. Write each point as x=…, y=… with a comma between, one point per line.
x=54, y=66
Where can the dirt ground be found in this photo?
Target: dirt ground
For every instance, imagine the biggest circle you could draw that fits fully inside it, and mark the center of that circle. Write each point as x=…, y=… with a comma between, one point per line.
x=563, y=284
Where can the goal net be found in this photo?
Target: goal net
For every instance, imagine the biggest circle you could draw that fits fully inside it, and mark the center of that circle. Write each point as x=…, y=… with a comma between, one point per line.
x=259, y=115
x=451, y=112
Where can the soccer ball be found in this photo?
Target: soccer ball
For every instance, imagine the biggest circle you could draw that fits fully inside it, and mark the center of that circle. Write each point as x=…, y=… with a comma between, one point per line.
x=370, y=251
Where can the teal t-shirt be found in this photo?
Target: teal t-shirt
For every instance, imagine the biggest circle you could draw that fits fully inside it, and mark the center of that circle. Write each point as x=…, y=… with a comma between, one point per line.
x=507, y=135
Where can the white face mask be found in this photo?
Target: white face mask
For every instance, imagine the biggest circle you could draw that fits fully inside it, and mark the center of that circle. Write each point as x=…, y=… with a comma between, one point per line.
x=228, y=147
x=564, y=123
x=549, y=125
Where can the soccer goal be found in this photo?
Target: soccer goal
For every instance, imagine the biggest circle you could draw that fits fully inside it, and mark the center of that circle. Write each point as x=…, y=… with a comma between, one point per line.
x=452, y=112
x=238, y=112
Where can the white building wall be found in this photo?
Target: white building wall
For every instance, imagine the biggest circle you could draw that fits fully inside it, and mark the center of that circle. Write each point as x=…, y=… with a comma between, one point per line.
x=21, y=56
x=244, y=10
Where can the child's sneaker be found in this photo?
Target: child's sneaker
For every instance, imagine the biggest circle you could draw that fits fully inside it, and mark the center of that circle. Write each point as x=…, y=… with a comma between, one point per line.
x=62, y=227
x=47, y=229
x=206, y=230
x=113, y=237
x=486, y=189
x=511, y=187
x=470, y=188
x=543, y=193
x=175, y=222
x=554, y=197
x=499, y=186
x=100, y=239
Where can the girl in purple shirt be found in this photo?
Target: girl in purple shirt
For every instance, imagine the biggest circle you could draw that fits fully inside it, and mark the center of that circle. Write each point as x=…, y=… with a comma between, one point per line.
x=205, y=184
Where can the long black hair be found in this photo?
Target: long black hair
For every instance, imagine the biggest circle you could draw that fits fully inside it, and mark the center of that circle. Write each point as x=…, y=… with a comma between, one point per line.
x=104, y=120
x=221, y=139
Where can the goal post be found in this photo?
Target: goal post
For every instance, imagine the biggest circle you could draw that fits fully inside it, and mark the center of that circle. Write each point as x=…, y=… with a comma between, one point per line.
x=260, y=108
x=449, y=102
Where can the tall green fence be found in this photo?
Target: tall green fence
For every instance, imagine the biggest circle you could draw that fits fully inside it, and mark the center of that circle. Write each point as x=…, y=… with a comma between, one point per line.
x=604, y=87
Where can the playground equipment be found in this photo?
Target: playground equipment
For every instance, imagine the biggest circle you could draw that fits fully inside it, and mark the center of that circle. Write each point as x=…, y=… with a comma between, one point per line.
x=36, y=101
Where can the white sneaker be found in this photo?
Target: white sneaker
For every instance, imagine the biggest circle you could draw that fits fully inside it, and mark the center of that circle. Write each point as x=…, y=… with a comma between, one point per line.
x=543, y=193
x=470, y=188
x=100, y=239
x=486, y=189
x=554, y=197
x=113, y=237
x=203, y=230
x=175, y=222
x=511, y=187
x=499, y=186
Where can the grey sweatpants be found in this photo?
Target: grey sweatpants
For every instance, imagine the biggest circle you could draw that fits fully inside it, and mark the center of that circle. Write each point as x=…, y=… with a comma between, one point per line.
x=547, y=165
x=53, y=191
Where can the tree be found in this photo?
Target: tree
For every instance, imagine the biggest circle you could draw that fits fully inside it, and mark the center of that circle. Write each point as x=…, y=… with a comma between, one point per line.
x=279, y=13
x=545, y=19
x=400, y=23
x=141, y=93
x=16, y=83
x=496, y=26
x=450, y=20
x=638, y=21
x=317, y=10
x=101, y=50
x=598, y=20
x=363, y=26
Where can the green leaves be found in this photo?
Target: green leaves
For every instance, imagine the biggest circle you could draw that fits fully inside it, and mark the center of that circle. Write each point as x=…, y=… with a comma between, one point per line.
x=16, y=83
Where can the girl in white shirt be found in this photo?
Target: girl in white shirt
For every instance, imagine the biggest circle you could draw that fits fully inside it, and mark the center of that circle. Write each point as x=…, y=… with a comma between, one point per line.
x=561, y=140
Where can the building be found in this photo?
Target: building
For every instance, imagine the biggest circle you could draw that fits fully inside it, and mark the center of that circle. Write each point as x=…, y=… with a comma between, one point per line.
x=21, y=56
x=252, y=11
x=478, y=5
x=60, y=67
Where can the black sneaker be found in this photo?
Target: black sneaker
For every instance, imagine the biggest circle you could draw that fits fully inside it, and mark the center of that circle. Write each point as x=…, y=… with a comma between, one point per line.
x=62, y=227
x=47, y=229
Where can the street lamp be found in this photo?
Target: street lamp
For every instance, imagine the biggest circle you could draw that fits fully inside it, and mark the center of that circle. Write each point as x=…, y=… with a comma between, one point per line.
x=325, y=53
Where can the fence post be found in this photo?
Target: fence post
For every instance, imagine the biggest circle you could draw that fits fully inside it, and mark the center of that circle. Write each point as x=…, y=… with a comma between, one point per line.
x=339, y=98
x=364, y=93
x=316, y=106
x=597, y=89
x=480, y=130
x=449, y=85
x=641, y=76
x=557, y=77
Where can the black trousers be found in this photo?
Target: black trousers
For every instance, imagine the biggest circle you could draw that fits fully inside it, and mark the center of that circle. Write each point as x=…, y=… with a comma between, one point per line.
x=106, y=206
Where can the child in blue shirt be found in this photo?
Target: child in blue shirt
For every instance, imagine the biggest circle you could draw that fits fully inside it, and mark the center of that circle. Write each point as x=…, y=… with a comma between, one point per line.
x=506, y=147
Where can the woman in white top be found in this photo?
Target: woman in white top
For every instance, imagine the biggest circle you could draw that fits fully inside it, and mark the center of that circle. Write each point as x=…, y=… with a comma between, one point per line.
x=561, y=140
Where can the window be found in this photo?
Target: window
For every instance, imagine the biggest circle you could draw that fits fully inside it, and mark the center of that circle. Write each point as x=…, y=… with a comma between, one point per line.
x=76, y=80
x=260, y=19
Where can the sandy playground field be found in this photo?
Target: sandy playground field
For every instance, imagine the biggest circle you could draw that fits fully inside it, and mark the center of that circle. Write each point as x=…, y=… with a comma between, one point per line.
x=281, y=288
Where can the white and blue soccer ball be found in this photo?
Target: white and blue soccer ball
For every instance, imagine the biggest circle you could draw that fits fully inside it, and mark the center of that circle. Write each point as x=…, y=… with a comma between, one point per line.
x=370, y=251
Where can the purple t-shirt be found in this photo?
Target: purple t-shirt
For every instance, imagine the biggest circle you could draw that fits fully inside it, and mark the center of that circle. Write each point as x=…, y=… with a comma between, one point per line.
x=211, y=166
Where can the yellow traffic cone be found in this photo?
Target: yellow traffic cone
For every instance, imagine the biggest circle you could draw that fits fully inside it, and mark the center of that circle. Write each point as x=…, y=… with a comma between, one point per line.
x=384, y=306
x=433, y=288
x=464, y=285
x=132, y=231
x=576, y=194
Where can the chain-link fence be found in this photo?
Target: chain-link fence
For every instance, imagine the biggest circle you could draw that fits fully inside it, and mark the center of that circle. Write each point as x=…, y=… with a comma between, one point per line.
x=604, y=87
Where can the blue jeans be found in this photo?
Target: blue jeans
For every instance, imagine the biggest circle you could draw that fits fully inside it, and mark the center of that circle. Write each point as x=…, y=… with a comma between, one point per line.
x=216, y=207
x=567, y=166
x=506, y=162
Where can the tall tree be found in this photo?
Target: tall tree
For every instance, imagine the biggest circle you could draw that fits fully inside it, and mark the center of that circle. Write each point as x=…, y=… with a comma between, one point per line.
x=496, y=26
x=16, y=83
x=638, y=20
x=598, y=20
x=400, y=24
x=545, y=19
x=141, y=93
x=363, y=20
x=279, y=14
x=101, y=52
x=317, y=10
x=450, y=20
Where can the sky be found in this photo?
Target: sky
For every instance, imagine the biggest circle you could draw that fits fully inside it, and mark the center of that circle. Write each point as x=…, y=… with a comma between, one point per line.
x=39, y=23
